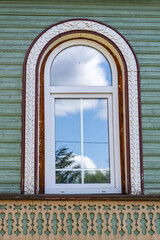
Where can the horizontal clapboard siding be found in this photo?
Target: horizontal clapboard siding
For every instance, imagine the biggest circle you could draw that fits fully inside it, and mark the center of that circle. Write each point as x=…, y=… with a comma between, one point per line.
x=22, y=21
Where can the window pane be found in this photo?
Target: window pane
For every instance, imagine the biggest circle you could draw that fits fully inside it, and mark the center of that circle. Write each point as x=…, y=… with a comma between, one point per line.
x=99, y=176
x=95, y=134
x=67, y=133
x=82, y=141
x=68, y=177
x=80, y=66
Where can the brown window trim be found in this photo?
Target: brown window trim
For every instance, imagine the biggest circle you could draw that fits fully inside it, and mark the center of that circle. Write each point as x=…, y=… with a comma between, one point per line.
x=42, y=125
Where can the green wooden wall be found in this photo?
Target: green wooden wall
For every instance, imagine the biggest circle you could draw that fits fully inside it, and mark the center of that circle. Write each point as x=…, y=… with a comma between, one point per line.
x=22, y=21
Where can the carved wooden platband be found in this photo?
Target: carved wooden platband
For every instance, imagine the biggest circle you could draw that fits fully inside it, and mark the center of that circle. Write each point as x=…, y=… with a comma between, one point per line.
x=129, y=58
x=79, y=220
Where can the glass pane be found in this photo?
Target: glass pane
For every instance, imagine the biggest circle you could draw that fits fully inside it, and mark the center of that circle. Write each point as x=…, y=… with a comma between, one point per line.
x=82, y=141
x=95, y=134
x=68, y=177
x=67, y=133
x=80, y=66
x=99, y=176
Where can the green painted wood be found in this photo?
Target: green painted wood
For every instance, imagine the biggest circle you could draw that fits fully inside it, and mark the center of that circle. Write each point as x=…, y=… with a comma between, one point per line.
x=21, y=21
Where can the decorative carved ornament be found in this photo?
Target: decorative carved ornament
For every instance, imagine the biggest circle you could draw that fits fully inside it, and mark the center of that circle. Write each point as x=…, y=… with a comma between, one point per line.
x=129, y=58
x=41, y=219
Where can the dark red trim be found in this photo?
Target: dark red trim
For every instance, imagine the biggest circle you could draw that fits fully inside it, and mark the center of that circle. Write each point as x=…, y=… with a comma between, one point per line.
x=36, y=101
x=127, y=130
x=140, y=128
x=23, y=127
x=36, y=131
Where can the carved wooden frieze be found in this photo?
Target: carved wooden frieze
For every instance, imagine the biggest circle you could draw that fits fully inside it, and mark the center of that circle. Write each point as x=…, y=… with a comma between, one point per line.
x=41, y=220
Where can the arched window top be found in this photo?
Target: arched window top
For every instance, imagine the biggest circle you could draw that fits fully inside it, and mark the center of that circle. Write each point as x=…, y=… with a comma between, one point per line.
x=80, y=65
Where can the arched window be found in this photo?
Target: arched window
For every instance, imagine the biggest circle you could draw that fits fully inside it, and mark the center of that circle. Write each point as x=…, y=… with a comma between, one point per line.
x=82, y=151
x=81, y=112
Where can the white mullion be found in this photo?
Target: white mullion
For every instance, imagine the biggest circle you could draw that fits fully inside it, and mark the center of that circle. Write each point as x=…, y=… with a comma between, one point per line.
x=111, y=141
x=82, y=140
x=79, y=169
x=50, y=145
x=81, y=89
x=53, y=139
x=68, y=169
x=79, y=96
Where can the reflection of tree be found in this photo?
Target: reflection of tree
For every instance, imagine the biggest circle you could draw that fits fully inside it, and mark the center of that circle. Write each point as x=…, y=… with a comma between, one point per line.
x=97, y=177
x=64, y=159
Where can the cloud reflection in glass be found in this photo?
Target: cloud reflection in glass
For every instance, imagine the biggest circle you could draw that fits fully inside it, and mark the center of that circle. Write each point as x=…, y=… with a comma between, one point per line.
x=80, y=66
x=82, y=141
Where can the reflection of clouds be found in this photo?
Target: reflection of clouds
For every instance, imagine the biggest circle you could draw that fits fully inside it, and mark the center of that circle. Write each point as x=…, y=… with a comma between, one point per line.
x=95, y=171
x=87, y=162
x=64, y=107
x=102, y=110
x=80, y=66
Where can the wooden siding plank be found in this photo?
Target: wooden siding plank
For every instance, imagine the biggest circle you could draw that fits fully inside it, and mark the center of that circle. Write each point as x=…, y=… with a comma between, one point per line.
x=21, y=21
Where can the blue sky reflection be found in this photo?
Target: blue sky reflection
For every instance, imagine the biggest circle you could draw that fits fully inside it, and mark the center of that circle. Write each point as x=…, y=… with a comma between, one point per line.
x=80, y=66
x=68, y=129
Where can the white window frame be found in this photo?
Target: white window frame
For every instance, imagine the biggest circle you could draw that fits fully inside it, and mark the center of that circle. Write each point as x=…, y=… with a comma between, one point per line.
x=109, y=92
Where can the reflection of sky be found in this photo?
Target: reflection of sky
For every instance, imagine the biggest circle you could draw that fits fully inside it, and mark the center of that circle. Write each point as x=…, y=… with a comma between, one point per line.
x=80, y=66
x=107, y=71
x=95, y=130
x=95, y=127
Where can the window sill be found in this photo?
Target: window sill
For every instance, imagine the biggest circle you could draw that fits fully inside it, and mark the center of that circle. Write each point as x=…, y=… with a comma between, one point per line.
x=99, y=197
